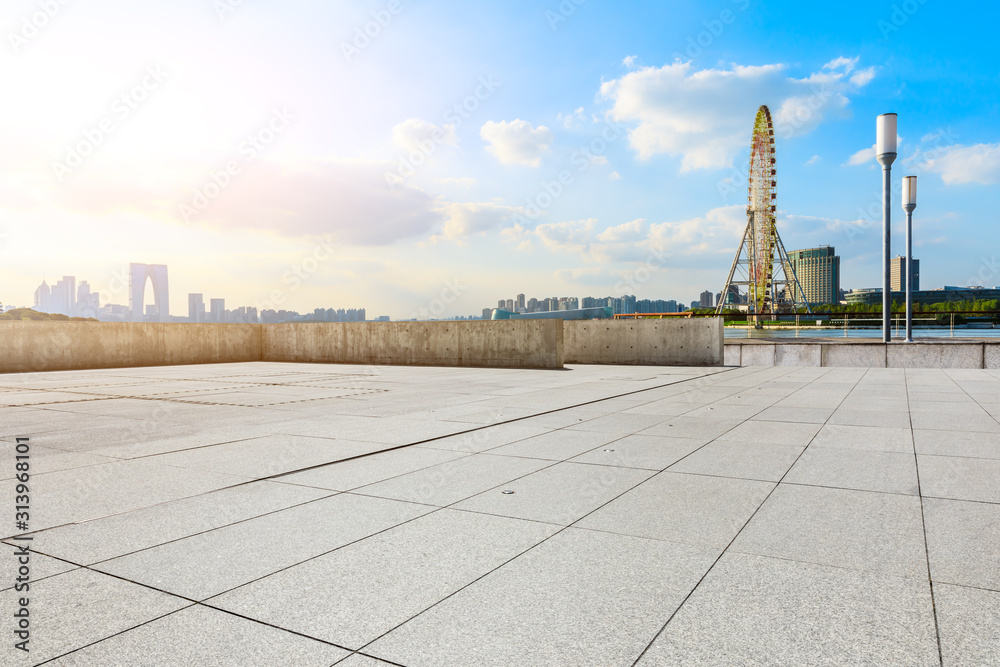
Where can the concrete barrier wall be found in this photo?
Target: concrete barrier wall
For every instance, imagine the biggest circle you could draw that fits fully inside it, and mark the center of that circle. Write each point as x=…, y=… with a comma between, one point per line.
x=54, y=346
x=865, y=354
x=61, y=346
x=497, y=344
x=662, y=342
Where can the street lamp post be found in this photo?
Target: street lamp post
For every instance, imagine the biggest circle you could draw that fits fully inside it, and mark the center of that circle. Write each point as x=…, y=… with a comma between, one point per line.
x=885, y=153
x=909, y=203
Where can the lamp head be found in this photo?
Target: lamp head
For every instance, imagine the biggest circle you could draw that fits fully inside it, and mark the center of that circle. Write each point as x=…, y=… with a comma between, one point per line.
x=885, y=139
x=909, y=193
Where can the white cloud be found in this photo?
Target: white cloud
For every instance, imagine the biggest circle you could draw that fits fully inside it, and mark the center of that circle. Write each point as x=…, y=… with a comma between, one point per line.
x=867, y=155
x=575, y=236
x=466, y=219
x=414, y=134
x=863, y=156
x=615, y=176
x=348, y=199
x=624, y=233
x=573, y=120
x=705, y=116
x=517, y=141
x=966, y=164
x=813, y=160
x=629, y=61
x=715, y=233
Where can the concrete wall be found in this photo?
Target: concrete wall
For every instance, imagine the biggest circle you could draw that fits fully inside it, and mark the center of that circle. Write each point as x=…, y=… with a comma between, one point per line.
x=864, y=354
x=663, y=342
x=60, y=346
x=499, y=344
x=55, y=346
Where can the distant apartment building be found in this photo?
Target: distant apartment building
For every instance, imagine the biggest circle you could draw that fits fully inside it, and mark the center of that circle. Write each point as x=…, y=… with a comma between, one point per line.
x=897, y=274
x=818, y=272
x=218, y=310
x=88, y=304
x=196, y=307
x=706, y=299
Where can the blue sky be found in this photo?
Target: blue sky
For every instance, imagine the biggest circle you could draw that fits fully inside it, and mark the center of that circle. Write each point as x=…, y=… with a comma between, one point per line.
x=270, y=155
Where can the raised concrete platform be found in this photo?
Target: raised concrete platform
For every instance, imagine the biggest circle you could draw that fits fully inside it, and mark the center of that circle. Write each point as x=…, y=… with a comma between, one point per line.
x=861, y=353
x=311, y=515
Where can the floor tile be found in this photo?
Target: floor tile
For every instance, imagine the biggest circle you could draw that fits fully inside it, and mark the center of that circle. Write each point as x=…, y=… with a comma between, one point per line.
x=560, y=494
x=70, y=610
x=887, y=472
x=202, y=636
x=963, y=542
x=859, y=530
x=577, y=618
x=752, y=610
x=205, y=565
x=960, y=478
x=968, y=620
x=352, y=474
x=747, y=460
x=692, y=509
x=641, y=451
x=393, y=576
x=450, y=482
x=119, y=534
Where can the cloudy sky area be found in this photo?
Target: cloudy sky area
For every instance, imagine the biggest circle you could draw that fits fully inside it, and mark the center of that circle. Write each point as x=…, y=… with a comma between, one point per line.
x=272, y=153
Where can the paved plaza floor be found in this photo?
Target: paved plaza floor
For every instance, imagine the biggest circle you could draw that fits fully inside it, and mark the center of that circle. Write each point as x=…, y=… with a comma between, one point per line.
x=316, y=515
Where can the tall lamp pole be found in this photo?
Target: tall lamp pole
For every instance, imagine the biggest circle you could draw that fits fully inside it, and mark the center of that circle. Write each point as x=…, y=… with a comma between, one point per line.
x=885, y=153
x=909, y=203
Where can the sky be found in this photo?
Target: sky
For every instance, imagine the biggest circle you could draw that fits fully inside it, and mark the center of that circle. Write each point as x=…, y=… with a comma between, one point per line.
x=424, y=159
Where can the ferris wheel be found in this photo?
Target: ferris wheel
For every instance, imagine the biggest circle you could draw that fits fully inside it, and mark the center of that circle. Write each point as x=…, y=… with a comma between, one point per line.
x=770, y=287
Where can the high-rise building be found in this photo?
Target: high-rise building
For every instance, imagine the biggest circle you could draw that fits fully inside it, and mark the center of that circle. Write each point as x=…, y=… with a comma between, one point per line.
x=520, y=305
x=218, y=310
x=196, y=308
x=62, y=297
x=509, y=305
x=818, y=272
x=43, y=297
x=487, y=314
x=705, y=299
x=897, y=274
x=501, y=304
x=88, y=304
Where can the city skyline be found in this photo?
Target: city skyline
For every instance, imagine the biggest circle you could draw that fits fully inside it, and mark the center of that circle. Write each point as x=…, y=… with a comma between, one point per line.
x=486, y=171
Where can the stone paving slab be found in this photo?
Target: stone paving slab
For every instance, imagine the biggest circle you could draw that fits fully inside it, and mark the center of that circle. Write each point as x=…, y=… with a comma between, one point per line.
x=207, y=564
x=660, y=516
x=74, y=609
x=568, y=601
x=752, y=610
x=560, y=494
x=198, y=635
x=877, y=532
x=119, y=534
x=392, y=576
x=969, y=618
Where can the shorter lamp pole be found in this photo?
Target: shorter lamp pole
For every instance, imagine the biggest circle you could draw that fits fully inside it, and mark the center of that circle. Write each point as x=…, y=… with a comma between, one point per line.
x=909, y=203
x=909, y=274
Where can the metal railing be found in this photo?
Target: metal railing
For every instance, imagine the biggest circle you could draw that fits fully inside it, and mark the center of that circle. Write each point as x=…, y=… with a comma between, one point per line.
x=833, y=321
